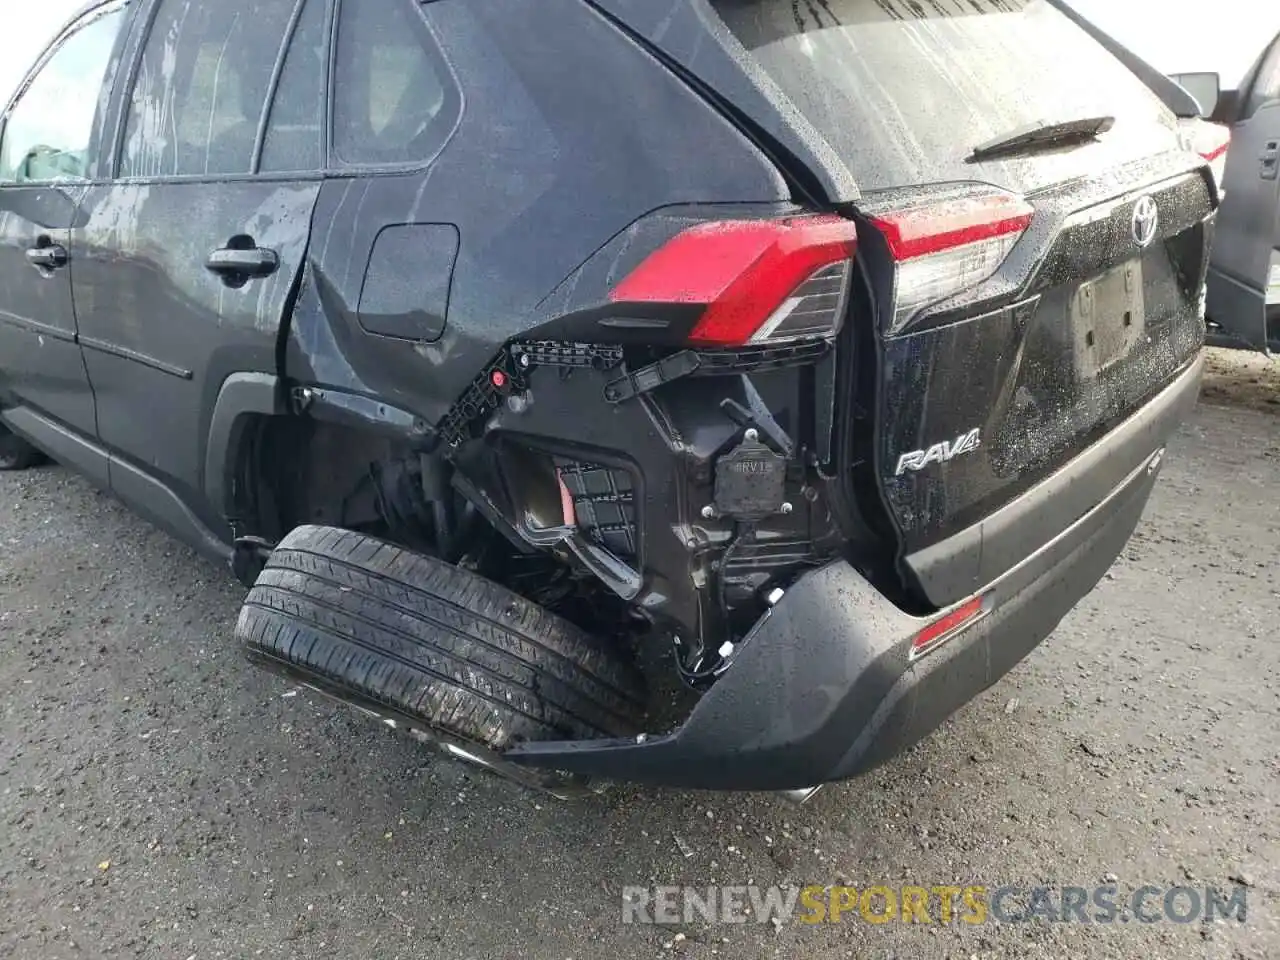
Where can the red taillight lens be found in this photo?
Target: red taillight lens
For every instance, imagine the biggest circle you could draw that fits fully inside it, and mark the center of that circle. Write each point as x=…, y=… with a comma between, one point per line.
x=1210, y=141
x=1219, y=151
x=947, y=627
x=759, y=280
x=1216, y=157
x=939, y=227
x=946, y=245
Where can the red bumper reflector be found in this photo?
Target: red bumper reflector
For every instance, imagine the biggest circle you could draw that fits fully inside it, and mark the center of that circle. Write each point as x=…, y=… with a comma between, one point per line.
x=946, y=627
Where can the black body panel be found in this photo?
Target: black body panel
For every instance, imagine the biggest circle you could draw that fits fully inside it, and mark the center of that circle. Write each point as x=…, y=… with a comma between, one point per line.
x=959, y=565
x=692, y=38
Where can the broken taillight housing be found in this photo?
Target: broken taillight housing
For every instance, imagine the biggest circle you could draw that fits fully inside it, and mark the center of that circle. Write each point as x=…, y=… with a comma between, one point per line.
x=759, y=281
x=944, y=245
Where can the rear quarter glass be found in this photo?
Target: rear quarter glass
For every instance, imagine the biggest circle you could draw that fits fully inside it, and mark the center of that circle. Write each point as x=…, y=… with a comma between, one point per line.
x=905, y=89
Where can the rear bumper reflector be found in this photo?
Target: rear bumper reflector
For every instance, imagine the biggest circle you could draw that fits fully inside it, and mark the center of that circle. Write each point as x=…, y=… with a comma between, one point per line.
x=948, y=627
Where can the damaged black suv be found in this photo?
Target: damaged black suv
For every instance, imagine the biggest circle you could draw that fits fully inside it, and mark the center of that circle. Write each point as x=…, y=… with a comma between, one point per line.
x=715, y=393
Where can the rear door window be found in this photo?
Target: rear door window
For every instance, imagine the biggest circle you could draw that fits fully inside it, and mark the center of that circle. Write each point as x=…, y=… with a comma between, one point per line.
x=394, y=100
x=295, y=131
x=905, y=89
x=202, y=86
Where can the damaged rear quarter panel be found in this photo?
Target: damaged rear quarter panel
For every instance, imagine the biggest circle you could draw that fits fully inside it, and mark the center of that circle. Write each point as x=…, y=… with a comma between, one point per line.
x=569, y=132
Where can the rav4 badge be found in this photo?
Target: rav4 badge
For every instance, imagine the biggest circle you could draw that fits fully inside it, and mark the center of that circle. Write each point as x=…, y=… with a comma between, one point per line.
x=917, y=460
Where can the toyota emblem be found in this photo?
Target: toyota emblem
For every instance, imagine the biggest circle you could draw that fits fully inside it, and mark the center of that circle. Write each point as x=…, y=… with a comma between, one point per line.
x=1146, y=220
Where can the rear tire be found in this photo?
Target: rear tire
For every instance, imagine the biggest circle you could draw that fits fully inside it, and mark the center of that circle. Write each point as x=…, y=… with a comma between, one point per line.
x=16, y=453
x=438, y=645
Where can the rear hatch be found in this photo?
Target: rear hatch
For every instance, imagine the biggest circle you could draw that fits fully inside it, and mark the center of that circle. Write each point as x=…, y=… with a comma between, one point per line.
x=1028, y=297
x=904, y=90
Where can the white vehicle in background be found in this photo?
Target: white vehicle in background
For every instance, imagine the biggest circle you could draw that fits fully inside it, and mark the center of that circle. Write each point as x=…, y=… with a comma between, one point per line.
x=1207, y=134
x=1244, y=272
x=1238, y=132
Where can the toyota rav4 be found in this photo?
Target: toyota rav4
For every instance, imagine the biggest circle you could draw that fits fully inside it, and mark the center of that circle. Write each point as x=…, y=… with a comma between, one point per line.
x=715, y=393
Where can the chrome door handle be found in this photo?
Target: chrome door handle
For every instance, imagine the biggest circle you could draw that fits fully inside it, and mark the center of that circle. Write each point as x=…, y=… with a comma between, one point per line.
x=48, y=256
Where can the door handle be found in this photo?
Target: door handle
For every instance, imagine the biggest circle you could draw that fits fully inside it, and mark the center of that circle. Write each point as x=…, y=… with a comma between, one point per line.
x=47, y=256
x=1270, y=160
x=238, y=265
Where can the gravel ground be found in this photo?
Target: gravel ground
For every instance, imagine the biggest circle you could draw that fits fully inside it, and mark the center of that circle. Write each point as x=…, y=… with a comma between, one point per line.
x=160, y=798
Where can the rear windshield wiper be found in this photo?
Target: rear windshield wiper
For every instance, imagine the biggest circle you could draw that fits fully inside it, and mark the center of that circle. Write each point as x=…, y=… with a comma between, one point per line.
x=1043, y=135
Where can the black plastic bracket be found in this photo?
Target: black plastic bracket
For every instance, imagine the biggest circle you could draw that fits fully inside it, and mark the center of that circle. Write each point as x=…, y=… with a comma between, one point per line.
x=248, y=557
x=653, y=376
x=765, y=425
x=566, y=355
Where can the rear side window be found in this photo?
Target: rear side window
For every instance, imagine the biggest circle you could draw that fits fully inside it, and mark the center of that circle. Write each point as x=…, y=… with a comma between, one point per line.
x=393, y=99
x=905, y=89
x=295, y=132
x=202, y=85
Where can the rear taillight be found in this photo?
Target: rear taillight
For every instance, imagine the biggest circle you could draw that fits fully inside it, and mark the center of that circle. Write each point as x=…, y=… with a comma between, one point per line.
x=1217, y=160
x=1210, y=141
x=759, y=281
x=944, y=246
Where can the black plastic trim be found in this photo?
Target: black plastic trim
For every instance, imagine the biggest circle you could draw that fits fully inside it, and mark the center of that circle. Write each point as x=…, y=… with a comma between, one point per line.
x=61, y=443
x=35, y=326
x=242, y=395
x=151, y=498
x=101, y=346
x=273, y=86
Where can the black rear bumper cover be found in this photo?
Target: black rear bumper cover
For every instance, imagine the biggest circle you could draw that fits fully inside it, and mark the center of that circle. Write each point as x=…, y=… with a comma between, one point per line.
x=824, y=688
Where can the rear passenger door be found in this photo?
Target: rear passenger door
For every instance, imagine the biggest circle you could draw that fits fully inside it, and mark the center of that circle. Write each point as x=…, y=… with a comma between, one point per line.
x=187, y=256
x=1244, y=276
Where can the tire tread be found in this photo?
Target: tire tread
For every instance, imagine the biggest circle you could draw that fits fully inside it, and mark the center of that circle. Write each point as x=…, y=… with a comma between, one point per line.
x=435, y=641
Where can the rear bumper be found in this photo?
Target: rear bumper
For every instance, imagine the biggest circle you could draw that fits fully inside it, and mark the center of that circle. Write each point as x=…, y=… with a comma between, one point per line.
x=824, y=687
